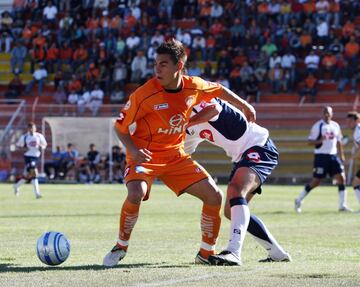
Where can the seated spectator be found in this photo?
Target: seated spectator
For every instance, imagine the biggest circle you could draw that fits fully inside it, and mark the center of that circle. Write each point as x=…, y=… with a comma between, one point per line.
x=194, y=69
x=79, y=57
x=348, y=74
x=309, y=88
x=251, y=89
x=75, y=84
x=328, y=65
x=269, y=47
x=5, y=167
x=6, y=39
x=37, y=56
x=117, y=163
x=93, y=159
x=84, y=99
x=138, y=67
x=82, y=171
x=96, y=99
x=52, y=167
x=69, y=161
x=18, y=55
x=312, y=62
x=15, y=88
x=235, y=79
x=39, y=77
x=352, y=49
x=117, y=95
x=52, y=57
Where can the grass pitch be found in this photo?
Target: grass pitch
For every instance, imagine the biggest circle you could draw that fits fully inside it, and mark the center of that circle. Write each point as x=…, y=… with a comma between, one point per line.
x=324, y=244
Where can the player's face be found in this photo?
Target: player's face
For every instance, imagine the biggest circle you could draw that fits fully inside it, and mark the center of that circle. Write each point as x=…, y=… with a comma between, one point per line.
x=167, y=72
x=328, y=114
x=32, y=129
x=351, y=123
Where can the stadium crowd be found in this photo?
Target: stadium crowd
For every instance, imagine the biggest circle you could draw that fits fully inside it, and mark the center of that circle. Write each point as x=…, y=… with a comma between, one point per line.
x=95, y=47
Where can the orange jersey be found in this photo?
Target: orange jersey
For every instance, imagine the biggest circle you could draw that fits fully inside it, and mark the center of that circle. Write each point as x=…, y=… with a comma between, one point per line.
x=161, y=117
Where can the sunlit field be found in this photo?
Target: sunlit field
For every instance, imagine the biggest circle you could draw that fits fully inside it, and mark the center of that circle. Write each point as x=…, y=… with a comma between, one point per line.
x=324, y=244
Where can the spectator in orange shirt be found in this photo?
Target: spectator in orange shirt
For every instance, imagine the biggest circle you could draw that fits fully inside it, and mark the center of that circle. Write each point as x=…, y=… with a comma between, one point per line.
x=352, y=50
x=79, y=57
x=52, y=57
x=309, y=88
x=37, y=55
x=65, y=55
x=39, y=40
x=328, y=64
x=309, y=8
x=75, y=85
x=92, y=74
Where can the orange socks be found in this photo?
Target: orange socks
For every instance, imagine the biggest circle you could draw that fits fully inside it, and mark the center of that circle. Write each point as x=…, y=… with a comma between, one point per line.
x=210, y=225
x=128, y=217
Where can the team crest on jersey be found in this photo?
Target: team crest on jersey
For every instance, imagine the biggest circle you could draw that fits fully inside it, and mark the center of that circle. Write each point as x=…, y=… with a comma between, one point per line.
x=127, y=105
x=253, y=156
x=207, y=134
x=189, y=101
x=203, y=104
x=198, y=170
x=126, y=172
x=159, y=107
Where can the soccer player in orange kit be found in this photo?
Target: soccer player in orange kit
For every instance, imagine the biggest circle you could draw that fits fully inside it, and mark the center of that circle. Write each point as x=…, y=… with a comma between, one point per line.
x=152, y=127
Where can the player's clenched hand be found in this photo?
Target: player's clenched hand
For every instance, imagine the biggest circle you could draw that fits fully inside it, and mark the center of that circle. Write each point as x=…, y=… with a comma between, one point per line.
x=142, y=155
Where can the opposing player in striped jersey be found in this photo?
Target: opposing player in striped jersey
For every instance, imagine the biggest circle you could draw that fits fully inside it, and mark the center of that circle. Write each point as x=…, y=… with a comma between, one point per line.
x=353, y=123
x=254, y=157
x=326, y=136
x=32, y=143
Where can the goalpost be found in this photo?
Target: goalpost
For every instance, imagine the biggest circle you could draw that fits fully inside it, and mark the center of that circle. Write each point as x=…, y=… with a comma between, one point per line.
x=81, y=132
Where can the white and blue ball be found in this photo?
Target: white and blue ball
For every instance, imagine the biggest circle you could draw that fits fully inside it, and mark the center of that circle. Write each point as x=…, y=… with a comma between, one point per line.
x=53, y=248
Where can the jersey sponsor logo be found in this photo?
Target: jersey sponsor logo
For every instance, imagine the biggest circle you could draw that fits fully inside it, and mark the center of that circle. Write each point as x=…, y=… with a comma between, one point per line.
x=32, y=144
x=127, y=105
x=329, y=135
x=207, y=134
x=253, y=156
x=177, y=126
x=159, y=107
x=121, y=117
x=189, y=101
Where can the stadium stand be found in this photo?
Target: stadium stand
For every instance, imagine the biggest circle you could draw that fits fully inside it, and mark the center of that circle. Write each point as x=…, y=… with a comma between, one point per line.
x=263, y=44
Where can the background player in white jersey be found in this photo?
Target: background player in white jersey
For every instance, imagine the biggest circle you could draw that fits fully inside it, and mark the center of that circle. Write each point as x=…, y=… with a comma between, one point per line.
x=254, y=157
x=33, y=143
x=326, y=136
x=353, y=123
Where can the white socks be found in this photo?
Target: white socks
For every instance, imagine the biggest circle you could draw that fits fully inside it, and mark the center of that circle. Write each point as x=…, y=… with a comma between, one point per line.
x=240, y=216
x=35, y=184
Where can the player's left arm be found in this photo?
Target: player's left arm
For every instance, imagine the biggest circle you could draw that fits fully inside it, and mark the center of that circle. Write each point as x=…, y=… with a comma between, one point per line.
x=205, y=115
x=238, y=102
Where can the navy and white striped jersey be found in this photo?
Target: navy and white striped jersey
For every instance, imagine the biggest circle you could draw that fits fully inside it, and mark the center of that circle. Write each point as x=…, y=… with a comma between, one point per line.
x=331, y=134
x=230, y=130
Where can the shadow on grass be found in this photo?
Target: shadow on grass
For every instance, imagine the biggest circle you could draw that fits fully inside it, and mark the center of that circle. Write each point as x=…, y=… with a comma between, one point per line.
x=4, y=268
x=57, y=215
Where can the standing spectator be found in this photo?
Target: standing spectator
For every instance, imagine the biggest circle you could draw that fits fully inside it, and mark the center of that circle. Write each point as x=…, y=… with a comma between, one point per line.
x=39, y=77
x=288, y=63
x=18, y=54
x=96, y=99
x=50, y=12
x=138, y=67
x=276, y=77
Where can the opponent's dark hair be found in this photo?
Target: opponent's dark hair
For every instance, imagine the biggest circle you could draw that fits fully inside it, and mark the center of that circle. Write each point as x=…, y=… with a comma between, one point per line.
x=353, y=115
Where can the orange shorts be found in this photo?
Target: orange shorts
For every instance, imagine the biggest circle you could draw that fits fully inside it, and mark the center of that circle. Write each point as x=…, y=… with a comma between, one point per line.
x=177, y=173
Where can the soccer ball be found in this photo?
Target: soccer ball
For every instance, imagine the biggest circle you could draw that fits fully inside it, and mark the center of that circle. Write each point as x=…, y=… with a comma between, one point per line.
x=53, y=248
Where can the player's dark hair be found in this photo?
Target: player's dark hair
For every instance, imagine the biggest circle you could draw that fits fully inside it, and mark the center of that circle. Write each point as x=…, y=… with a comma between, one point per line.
x=175, y=49
x=353, y=115
x=31, y=124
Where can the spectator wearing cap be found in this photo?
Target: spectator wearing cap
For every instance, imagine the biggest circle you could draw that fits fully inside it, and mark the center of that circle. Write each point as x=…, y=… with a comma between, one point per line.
x=39, y=77
x=17, y=57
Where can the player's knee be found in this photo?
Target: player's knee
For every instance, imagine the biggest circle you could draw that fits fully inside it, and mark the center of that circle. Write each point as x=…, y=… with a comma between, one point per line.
x=236, y=190
x=136, y=195
x=213, y=198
